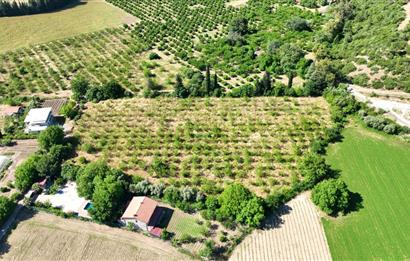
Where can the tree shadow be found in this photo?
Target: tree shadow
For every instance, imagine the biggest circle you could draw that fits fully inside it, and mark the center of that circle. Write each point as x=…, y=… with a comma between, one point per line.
x=165, y=215
x=355, y=203
x=25, y=214
x=275, y=220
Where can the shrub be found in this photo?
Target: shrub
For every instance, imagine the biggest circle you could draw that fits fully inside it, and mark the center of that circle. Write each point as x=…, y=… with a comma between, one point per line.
x=154, y=56
x=70, y=110
x=6, y=207
x=53, y=135
x=314, y=169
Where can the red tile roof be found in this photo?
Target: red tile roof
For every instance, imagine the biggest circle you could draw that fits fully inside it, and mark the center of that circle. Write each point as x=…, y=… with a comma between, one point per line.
x=146, y=210
x=141, y=209
x=8, y=111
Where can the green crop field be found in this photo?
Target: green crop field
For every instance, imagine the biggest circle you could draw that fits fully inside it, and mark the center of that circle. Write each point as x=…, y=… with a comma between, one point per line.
x=378, y=167
x=22, y=31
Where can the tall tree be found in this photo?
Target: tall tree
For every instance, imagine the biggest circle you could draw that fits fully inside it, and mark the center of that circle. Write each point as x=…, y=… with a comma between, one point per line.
x=290, y=56
x=53, y=135
x=179, y=89
x=208, y=84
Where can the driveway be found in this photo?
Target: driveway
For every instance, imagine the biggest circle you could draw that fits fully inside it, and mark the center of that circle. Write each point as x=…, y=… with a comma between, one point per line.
x=18, y=153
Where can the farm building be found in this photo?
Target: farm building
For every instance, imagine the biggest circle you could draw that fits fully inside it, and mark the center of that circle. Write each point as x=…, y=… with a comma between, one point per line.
x=38, y=119
x=144, y=213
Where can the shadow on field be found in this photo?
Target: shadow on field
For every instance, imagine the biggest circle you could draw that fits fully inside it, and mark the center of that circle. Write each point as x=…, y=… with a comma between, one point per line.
x=356, y=202
x=24, y=214
x=275, y=219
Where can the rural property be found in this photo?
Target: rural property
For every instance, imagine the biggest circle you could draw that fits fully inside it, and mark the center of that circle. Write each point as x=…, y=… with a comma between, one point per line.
x=243, y=130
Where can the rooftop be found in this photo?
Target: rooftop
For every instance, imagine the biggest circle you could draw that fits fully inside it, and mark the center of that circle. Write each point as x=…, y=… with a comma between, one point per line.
x=55, y=105
x=39, y=115
x=140, y=208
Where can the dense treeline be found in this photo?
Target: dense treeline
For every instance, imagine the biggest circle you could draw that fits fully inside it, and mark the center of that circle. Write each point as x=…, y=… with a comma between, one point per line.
x=15, y=8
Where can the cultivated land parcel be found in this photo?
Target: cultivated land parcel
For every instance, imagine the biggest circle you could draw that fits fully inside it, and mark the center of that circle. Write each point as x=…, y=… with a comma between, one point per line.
x=256, y=141
x=48, y=237
x=378, y=167
x=89, y=16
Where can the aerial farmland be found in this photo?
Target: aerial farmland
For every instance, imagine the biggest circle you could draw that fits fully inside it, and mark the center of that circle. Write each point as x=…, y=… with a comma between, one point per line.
x=204, y=130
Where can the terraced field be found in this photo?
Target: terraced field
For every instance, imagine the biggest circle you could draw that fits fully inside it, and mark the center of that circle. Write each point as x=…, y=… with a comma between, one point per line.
x=255, y=141
x=377, y=167
x=296, y=234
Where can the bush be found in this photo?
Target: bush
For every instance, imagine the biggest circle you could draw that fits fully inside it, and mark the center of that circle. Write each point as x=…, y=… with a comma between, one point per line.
x=314, y=169
x=6, y=207
x=299, y=24
x=154, y=56
x=70, y=110
x=53, y=135
x=331, y=196
x=165, y=235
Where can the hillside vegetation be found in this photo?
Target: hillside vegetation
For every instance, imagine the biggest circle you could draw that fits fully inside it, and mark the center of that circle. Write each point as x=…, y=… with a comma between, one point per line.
x=377, y=167
x=357, y=42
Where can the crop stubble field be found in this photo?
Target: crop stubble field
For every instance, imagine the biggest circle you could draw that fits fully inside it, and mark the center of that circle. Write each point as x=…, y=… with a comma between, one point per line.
x=377, y=167
x=297, y=234
x=256, y=141
x=48, y=237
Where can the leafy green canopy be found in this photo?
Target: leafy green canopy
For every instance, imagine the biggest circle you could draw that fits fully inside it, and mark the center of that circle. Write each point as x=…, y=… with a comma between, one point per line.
x=332, y=196
x=238, y=204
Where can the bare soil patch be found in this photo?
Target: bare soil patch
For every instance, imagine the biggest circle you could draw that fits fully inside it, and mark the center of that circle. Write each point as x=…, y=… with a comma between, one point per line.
x=237, y=3
x=406, y=21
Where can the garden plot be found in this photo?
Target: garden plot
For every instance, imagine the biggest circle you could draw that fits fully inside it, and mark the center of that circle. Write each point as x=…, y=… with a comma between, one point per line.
x=196, y=141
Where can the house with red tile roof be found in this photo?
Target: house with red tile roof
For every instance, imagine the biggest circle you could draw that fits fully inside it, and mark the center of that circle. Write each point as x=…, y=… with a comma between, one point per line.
x=12, y=111
x=144, y=213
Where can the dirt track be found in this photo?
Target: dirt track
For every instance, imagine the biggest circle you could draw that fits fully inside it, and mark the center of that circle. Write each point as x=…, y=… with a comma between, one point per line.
x=48, y=237
x=296, y=235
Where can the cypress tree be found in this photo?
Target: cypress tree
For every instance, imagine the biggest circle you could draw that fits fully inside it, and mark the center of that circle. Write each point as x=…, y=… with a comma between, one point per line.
x=208, y=84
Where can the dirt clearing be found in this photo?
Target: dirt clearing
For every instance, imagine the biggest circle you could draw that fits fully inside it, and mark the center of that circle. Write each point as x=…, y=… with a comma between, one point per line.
x=237, y=3
x=297, y=234
x=406, y=21
x=48, y=237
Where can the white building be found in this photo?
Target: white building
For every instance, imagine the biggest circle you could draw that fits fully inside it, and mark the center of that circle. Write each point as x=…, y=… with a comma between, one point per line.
x=38, y=120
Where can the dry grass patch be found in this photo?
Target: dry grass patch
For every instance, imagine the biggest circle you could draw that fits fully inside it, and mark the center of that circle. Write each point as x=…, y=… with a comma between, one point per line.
x=255, y=141
x=47, y=237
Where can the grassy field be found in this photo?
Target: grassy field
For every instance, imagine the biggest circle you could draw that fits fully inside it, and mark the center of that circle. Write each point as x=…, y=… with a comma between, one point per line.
x=48, y=237
x=377, y=167
x=255, y=141
x=85, y=17
x=184, y=224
